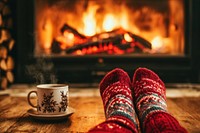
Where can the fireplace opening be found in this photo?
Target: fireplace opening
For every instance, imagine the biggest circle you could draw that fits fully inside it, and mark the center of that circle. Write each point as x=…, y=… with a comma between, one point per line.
x=85, y=39
x=122, y=27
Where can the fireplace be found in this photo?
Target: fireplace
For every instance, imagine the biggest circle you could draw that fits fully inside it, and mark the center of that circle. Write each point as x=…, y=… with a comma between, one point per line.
x=88, y=27
x=84, y=39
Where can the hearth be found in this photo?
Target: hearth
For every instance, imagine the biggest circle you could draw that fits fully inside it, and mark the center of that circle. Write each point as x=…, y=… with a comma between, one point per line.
x=82, y=40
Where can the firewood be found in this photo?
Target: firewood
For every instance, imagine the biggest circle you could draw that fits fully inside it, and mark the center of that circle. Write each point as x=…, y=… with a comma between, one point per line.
x=120, y=31
x=92, y=43
x=3, y=83
x=2, y=5
x=10, y=76
x=1, y=20
x=141, y=40
x=11, y=44
x=95, y=43
x=6, y=11
x=55, y=48
x=5, y=35
x=3, y=52
x=73, y=30
x=8, y=23
x=3, y=64
x=115, y=37
x=10, y=63
x=6, y=45
x=105, y=35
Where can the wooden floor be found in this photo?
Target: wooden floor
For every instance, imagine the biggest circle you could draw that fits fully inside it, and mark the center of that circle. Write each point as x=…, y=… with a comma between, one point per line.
x=185, y=110
x=89, y=112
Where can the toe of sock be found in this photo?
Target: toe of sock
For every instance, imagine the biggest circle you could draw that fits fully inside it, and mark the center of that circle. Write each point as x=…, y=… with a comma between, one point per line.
x=143, y=72
x=145, y=81
x=116, y=75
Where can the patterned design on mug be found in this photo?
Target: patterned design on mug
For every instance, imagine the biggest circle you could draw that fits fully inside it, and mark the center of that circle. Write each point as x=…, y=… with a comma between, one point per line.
x=48, y=103
x=64, y=102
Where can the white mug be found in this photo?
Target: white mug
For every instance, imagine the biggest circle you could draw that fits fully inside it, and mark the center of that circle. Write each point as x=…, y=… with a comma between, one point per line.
x=51, y=98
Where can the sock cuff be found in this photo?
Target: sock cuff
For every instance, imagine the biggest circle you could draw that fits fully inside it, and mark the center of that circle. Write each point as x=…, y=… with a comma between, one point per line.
x=149, y=112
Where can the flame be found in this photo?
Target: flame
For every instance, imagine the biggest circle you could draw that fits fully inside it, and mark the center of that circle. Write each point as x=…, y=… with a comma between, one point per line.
x=46, y=34
x=89, y=21
x=157, y=43
x=67, y=40
x=124, y=21
x=109, y=23
x=92, y=17
x=68, y=35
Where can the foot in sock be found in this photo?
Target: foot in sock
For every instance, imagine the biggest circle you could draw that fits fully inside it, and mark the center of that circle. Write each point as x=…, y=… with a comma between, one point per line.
x=149, y=96
x=115, y=90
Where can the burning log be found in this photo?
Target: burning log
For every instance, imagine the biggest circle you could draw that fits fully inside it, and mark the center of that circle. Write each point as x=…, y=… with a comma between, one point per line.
x=55, y=47
x=118, y=41
x=109, y=45
x=66, y=27
x=98, y=44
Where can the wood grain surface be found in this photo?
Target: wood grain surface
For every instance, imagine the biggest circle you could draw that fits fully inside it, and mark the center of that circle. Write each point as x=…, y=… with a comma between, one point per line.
x=89, y=112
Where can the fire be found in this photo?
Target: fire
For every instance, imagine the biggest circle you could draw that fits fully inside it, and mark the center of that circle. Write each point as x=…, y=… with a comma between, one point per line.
x=89, y=22
x=162, y=45
x=109, y=23
x=124, y=21
x=46, y=34
x=97, y=21
x=68, y=35
x=128, y=38
x=68, y=39
x=157, y=43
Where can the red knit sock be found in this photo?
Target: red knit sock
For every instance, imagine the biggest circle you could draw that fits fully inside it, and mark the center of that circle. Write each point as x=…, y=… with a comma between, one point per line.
x=149, y=95
x=118, y=104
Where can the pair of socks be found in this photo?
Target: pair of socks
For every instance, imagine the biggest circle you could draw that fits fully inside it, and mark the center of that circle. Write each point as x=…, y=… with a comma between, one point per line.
x=141, y=101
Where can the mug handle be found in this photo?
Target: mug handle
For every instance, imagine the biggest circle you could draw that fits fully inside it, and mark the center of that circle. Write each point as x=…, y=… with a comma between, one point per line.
x=28, y=98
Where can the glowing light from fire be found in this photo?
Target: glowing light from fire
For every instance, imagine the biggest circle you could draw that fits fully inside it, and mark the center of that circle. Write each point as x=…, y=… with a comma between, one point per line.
x=90, y=25
x=68, y=35
x=128, y=38
x=109, y=22
x=89, y=21
x=47, y=33
x=124, y=21
x=157, y=43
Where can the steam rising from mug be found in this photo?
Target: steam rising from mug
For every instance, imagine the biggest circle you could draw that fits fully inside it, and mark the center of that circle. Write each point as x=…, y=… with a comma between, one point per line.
x=42, y=71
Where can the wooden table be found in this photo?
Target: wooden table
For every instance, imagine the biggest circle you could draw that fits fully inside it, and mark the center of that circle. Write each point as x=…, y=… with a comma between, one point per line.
x=89, y=112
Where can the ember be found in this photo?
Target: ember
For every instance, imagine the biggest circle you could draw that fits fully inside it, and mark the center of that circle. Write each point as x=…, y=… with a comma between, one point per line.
x=117, y=41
